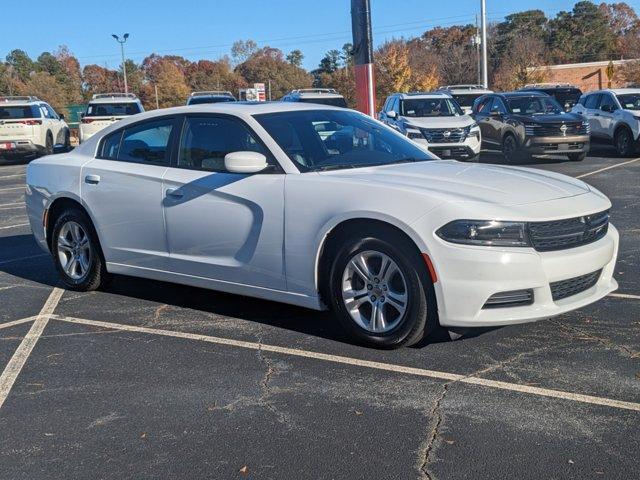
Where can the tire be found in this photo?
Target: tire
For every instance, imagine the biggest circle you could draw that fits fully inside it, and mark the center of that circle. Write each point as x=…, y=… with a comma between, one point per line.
x=406, y=274
x=48, y=148
x=67, y=243
x=511, y=150
x=623, y=141
x=67, y=141
x=577, y=157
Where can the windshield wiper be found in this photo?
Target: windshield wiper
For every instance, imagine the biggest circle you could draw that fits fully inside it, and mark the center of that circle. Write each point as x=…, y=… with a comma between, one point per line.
x=337, y=167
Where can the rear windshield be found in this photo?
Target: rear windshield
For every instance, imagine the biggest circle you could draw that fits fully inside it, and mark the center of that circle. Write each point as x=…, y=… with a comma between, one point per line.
x=21, y=111
x=112, y=109
x=332, y=101
x=466, y=99
x=220, y=99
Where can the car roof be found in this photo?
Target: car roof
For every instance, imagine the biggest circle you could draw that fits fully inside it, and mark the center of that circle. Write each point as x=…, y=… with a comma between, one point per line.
x=114, y=97
x=315, y=93
x=462, y=89
x=522, y=93
x=18, y=100
x=419, y=95
x=616, y=91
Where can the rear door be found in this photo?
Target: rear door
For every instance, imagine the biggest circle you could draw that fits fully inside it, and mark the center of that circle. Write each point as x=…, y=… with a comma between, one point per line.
x=122, y=188
x=221, y=225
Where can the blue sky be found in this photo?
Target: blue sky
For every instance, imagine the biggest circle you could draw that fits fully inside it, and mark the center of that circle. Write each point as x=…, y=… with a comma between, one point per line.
x=206, y=29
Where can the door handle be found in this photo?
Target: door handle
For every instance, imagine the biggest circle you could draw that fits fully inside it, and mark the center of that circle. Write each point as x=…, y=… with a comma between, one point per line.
x=596, y=114
x=174, y=193
x=92, y=179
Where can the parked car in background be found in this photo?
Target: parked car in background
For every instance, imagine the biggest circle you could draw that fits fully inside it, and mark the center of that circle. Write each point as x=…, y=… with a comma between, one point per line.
x=30, y=127
x=321, y=96
x=435, y=121
x=250, y=199
x=522, y=124
x=465, y=95
x=614, y=116
x=105, y=109
x=566, y=95
x=211, y=96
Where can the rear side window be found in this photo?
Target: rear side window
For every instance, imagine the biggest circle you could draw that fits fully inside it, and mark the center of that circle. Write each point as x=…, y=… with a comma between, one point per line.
x=206, y=140
x=111, y=146
x=592, y=101
x=21, y=111
x=485, y=105
x=112, y=109
x=147, y=142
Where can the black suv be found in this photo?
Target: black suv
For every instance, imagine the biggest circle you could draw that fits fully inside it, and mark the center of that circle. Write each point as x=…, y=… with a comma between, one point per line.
x=522, y=124
x=566, y=95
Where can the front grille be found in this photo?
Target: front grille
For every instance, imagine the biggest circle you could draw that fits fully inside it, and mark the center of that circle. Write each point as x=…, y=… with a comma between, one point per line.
x=513, y=298
x=557, y=129
x=574, y=286
x=452, y=152
x=568, y=233
x=445, y=135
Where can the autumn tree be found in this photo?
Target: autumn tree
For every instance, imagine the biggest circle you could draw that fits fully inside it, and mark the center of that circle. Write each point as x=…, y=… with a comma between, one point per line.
x=167, y=75
x=454, y=51
x=242, y=50
x=522, y=63
x=625, y=26
x=213, y=75
x=393, y=71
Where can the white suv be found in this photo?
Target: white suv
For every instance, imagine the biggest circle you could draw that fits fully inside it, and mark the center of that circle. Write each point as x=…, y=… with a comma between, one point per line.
x=105, y=109
x=435, y=121
x=614, y=116
x=30, y=127
x=465, y=95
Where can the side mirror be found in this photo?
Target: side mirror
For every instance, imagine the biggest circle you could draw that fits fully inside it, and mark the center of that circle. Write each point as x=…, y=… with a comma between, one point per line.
x=495, y=113
x=607, y=108
x=61, y=116
x=245, y=162
x=391, y=114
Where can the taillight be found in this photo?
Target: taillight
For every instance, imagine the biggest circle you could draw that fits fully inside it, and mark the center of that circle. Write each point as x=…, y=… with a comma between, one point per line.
x=87, y=120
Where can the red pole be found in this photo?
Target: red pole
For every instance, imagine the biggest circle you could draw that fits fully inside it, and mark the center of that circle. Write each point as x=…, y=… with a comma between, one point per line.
x=363, y=56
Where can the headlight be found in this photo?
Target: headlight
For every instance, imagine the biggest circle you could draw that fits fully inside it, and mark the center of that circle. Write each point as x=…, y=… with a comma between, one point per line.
x=530, y=129
x=474, y=130
x=485, y=232
x=412, y=132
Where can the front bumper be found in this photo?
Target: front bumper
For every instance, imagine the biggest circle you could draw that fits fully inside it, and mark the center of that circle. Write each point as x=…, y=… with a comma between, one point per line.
x=557, y=145
x=458, y=151
x=468, y=276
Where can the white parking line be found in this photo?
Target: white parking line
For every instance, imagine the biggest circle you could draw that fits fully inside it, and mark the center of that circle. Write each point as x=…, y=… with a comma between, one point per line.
x=13, y=260
x=11, y=188
x=14, y=226
x=17, y=361
x=608, y=168
x=453, y=377
x=11, y=205
x=13, y=323
x=625, y=295
x=13, y=176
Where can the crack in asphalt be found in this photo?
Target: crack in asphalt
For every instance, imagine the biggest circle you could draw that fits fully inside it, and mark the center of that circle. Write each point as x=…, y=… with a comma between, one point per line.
x=602, y=341
x=265, y=385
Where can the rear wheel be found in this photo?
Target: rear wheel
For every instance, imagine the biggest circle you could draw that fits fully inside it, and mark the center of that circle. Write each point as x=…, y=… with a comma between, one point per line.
x=577, y=157
x=378, y=292
x=623, y=141
x=76, y=251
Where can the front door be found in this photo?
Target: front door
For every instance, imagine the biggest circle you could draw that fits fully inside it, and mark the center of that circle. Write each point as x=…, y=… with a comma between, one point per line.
x=220, y=225
x=122, y=189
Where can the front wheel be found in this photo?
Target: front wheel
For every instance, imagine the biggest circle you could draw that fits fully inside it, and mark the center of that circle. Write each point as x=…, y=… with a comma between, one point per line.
x=76, y=252
x=623, y=142
x=577, y=157
x=511, y=150
x=378, y=292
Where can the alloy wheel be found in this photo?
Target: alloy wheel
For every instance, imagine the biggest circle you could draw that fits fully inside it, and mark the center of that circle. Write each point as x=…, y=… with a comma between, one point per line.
x=374, y=291
x=74, y=250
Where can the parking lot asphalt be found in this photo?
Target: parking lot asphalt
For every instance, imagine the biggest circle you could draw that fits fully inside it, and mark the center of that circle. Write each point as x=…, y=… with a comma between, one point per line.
x=152, y=380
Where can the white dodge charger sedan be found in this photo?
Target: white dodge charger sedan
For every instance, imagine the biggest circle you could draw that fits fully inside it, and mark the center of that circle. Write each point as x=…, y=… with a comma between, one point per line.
x=322, y=207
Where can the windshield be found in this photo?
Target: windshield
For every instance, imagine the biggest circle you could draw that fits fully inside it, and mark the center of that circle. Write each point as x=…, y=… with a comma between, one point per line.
x=429, y=107
x=534, y=105
x=112, y=109
x=466, y=99
x=21, y=111
x=630, y=101
x=332, y=101
x=317, y=140
x=220, y=99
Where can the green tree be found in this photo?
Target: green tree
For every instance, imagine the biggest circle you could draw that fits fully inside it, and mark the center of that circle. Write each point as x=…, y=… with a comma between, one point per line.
x=242, y=50
x=21, y=63
x=295, y=57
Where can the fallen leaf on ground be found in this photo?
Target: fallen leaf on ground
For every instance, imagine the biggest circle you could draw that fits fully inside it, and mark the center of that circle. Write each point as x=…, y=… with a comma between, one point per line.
x=144, y=435
x=244, y=470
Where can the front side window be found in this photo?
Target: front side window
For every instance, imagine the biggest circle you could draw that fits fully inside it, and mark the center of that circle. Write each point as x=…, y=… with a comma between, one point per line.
x=147, y=142
x=111, y=146
x=485, y=105
x=206, y=140
x=51, y=112
x=429, y=107
x=319, y=140
x=534, y=105
x=498, y=106
x=608, y=103
x=112, y=109
x=630, y=101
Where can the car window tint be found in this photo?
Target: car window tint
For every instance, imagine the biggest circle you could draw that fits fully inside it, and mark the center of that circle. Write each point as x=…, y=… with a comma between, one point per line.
x=592, y=101
x=608, y=101
x=485, y=105
x=498, y=106
x=396, y=105
x=111, y=146
x=51, y=112
x=147, y=142
x=206, y=140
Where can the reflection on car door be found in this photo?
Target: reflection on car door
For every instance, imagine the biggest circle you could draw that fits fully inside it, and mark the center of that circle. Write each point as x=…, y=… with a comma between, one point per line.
x=122, y=188
x=487, y=122
x=606, y=119
x=592, y=112
x=221, y=225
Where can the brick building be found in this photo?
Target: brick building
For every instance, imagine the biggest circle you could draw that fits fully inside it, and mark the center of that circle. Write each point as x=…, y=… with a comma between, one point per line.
x=586, y=76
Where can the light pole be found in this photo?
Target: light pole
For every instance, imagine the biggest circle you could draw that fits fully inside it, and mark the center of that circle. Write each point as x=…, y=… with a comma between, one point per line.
x=485, y=69
x=124, y=68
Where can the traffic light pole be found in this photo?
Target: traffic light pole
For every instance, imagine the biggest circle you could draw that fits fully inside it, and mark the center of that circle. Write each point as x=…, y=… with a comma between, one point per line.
x=363, y=56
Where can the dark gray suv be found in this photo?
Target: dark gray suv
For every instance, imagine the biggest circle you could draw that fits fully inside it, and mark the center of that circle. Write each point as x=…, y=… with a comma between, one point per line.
x=522, y=124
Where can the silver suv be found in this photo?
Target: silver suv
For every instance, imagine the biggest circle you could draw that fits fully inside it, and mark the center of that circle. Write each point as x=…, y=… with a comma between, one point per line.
x=465, y=95
x=434, y=120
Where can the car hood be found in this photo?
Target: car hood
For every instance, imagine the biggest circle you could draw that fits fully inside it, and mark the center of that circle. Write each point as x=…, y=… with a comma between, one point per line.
x=460, y=121
x=551, y=118
x=459, y=182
